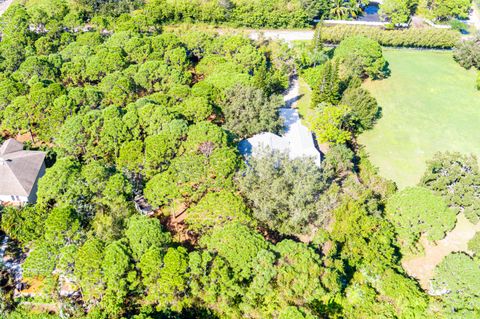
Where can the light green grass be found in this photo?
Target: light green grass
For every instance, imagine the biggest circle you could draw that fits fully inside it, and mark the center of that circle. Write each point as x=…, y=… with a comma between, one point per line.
x=304, y=103
x=429, y=104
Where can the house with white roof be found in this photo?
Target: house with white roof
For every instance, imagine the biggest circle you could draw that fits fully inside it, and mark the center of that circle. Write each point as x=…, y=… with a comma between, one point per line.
x=297, y=141
x=19, y=173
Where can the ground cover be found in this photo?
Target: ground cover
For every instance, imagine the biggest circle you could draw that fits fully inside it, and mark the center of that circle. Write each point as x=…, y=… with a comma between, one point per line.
x=429, y=104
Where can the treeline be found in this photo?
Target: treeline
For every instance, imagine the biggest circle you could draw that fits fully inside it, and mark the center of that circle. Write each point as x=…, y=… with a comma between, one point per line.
x=254, y=14
x=418, y=38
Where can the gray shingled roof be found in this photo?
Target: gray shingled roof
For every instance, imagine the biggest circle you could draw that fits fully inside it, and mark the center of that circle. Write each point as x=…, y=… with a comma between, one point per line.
x=19, y=169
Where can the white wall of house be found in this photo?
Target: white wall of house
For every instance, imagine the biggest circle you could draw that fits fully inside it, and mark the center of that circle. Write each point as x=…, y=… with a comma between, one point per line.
x=13, y=199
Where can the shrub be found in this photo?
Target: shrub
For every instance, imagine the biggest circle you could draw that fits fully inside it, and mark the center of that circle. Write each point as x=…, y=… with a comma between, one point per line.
x=467, y=53
x=364, y=108
x=361, y=56
x=474, y=244
x=420, y=38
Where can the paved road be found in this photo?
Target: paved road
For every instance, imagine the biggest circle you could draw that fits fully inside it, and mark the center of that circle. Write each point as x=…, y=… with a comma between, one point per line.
x=4, y=5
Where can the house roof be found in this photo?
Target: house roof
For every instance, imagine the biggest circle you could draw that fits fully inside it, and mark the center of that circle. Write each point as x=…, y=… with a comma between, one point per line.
x=19, y=169
x=297, y=140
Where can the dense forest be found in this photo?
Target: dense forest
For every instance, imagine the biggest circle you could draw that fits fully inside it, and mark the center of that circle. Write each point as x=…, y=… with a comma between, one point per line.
x=126, y=110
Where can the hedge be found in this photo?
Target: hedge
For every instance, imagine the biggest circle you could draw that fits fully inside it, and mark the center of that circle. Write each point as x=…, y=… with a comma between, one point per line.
x=419, y=38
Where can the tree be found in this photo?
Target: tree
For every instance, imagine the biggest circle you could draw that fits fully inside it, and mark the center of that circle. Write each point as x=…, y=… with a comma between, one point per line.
x=283, y=193
x=474, y=244
x=331, y=123
x=143, y=232
x=88, y=270
x=397, y=11
x=364, y=108
x=249, y=111
x=118, y=274
x=238, y=245
x=445, y=9
x=327, y=88
x=361, y=56
x=456, y=282
x=215, y=209
x=467, y=53
x=416, y=211
x=455, y=177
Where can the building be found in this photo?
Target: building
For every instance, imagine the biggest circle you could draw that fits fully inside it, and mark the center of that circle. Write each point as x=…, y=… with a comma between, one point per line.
x=297, y=140
x=19, y=173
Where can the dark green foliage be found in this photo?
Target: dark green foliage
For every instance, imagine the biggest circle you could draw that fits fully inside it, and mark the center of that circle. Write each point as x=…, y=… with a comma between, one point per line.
x=284, y=194
x=363, y=107
x=455, y=177
x=249, y=111
x=327, y=85
x=262, y=13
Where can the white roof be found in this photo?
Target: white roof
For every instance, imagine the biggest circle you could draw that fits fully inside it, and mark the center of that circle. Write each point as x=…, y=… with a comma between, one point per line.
x=297, y=140
x=19, y=169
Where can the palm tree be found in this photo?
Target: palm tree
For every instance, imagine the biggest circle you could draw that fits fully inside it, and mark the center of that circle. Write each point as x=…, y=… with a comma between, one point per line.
x=342, y=9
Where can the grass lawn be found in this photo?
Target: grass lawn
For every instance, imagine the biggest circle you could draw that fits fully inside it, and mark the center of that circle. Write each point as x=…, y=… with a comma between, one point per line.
x=303, y=104
x=429, y=104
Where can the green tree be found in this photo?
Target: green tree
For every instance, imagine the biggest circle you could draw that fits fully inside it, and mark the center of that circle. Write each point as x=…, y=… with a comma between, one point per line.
x=455, y=177
x=215, y=209
x=143, y=232
x=249, y=111
x=416, y=211
x=364, y=108
x=361, y=56
x=396, y=11
x=283, y=193
x=456, y=283
x=88, y=270
x=331, y=123
x=327, y=88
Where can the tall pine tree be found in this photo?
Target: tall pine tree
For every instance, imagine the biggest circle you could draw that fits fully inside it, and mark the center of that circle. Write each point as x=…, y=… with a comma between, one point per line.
x=328, y=89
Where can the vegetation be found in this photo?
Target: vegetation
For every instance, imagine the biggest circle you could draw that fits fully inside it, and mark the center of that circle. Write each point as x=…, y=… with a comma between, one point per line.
x=132, y=114
x=423, y=38
x=456, y=282
x=455, y=177
x=417, y=211
x=404, y=138
x=360, y=57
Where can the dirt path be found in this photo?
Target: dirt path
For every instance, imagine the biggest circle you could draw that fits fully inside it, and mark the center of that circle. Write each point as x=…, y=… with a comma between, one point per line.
x=285, y=35
x=423, y=267
x=475, y=16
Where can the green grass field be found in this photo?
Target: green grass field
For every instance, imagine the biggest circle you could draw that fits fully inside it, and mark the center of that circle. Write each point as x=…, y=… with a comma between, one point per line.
x=429, y=104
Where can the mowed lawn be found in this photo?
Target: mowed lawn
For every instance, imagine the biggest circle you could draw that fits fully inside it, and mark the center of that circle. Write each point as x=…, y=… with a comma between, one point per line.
x=429, y=104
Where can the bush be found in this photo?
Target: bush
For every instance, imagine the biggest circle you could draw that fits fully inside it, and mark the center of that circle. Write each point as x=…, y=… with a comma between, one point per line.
x=474, y=244
x=478, y=81
x=467, y=53
x=361, y=56
x=418, y=38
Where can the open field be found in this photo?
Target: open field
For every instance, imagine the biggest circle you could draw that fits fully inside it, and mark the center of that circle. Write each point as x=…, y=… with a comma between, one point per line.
x=429, y=104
